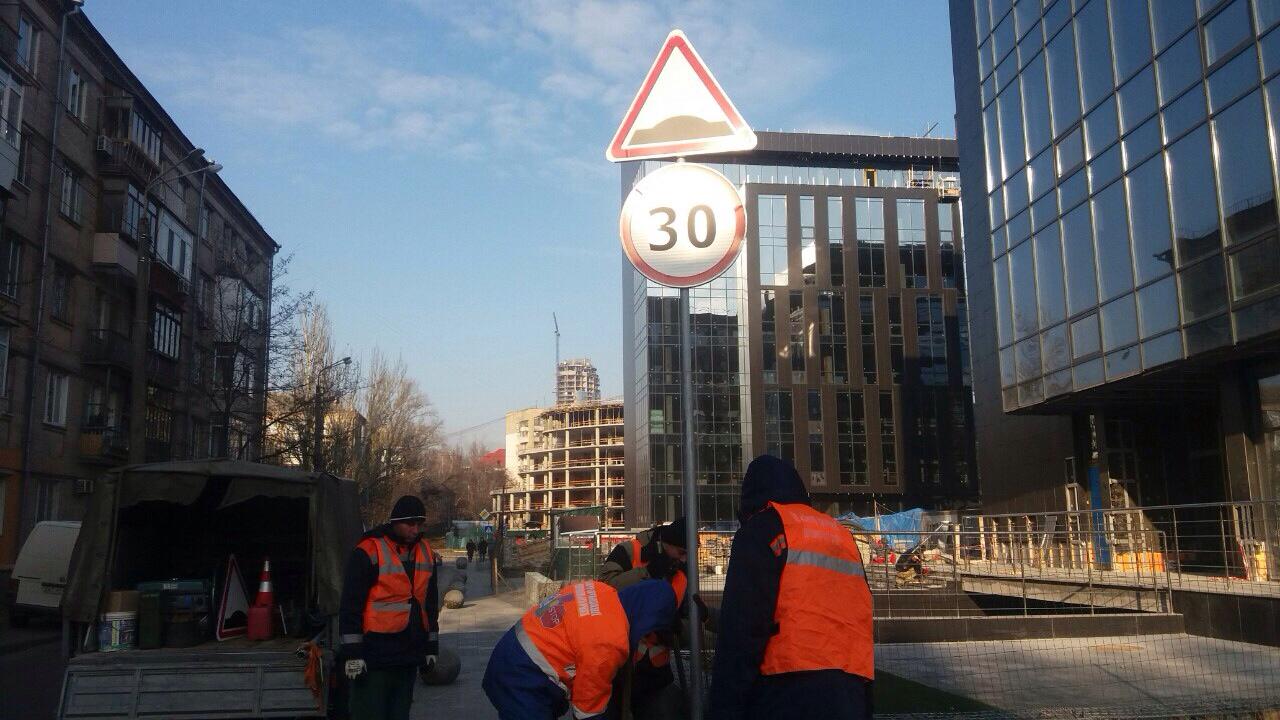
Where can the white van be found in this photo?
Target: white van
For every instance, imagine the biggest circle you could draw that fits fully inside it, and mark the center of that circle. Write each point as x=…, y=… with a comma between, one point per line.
x=41, y=571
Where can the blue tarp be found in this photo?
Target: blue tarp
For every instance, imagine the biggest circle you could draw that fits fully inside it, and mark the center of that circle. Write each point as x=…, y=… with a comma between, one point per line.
x=901, y=530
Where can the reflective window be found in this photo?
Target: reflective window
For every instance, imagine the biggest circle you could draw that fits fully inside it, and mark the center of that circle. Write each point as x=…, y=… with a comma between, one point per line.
x=1003, y=37
x=913, y=259
x=1131, y=35
x=1141, y=143
x=1055, y=351
x=1006, y=71
x=869, y=220
x=1015, y=194
x=991, y=137
x=1256, y=268
x=1111, y=234
x=1137, y=100
x=1077, y=250
x=1011, y=155
x=1035, y=102
x=1226, y=30
x=982, y=17
x=835, y=240
x=1070, y=152
x=1044, y=211
x=1040, y=172
x=1267, y=12
x=1123, y=363
x=1101, y=128
x=1185, y=113
x=1158, y=308
x=1229, y=81
x=1170, y=20
x=1050, y=282
x=1105, y=168
x=1087, y=374
x=1163, y=349
x=1207, y=335
x=1244, y=179
x=1119, y=323
x=1023, y=280
x=1064, y=89
x=1203, y=288
x=1055, y=16
x=1259, y=318
x=1085, y=337
x=771, y=214
x=1094, y=40
x=1019, y=228
x=1149, y=218
x=997, y=208
x=1027, y=14
x=1027, y=359
x=1179, y=67
x=1072, y=191
x=1269, y=48
x=1195, y=211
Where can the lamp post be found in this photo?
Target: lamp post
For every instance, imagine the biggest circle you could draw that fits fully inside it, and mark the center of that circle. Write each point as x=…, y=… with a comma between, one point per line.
x=141, y=293
x=317, y=432
x=212, y=168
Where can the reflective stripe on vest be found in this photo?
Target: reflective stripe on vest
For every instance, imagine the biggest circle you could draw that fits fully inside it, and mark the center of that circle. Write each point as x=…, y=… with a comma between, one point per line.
x=823, y=611
x=391, y=598
x=636, y=560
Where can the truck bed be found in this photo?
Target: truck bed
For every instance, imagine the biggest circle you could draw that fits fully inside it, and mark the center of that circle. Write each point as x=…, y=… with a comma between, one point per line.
x=233, y=679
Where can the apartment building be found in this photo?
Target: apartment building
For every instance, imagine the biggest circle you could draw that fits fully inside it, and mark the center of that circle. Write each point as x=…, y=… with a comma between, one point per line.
x=134, y=285
x=576, y=381
x=568, y=456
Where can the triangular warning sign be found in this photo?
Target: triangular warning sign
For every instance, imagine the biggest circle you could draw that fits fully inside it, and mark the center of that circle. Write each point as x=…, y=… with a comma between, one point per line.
x=680, y=110
x=233, y=607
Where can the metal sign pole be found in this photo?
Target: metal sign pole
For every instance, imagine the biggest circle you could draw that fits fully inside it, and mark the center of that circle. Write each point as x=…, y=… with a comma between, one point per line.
x=690, y=505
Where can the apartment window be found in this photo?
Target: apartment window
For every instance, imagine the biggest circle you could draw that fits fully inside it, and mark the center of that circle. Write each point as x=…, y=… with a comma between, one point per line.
x=835, y=239
x=833, y=338
x=173, y=245
x=913, y=258
x=166, y=331
x=808, y=247
x=895, y=338
x=60, y=293
x=779, y=426
x=888, y=441
x=869, y=215
x=72, y=194
x=47, y=500
x=851, y=438
x=55, y=398
x=796, y=346
x=931, y=341
x=77, y=97
x=772, y=218
x=4, y=362
x=11, y=257
x=27, y=39
x=146, y=136
x=24, y=160
x=204, y=223
x=11, y=109
x=867, y=312
x=952, y=274
x=769, y=334
x=131, y=223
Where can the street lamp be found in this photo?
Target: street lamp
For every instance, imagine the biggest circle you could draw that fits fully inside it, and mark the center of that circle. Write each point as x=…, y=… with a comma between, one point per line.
x=212, y=168
x=141, y=292
x=317, y=433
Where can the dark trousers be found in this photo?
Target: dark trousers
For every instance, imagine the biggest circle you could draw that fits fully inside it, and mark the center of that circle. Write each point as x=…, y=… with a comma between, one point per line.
x=383, y=694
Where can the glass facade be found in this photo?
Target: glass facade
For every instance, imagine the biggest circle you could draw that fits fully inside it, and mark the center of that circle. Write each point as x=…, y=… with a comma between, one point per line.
x=852, y=365
x=1131, y=168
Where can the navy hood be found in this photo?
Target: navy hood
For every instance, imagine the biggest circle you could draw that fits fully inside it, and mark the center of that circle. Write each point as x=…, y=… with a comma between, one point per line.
x=770, y=479
x=650, y=605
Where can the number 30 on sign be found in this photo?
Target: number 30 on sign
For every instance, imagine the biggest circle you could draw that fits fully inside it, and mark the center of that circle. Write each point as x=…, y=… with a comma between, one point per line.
x=682, y=225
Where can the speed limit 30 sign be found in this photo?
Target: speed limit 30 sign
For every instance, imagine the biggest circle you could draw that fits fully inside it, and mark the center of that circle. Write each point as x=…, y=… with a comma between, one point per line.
x=682, y=225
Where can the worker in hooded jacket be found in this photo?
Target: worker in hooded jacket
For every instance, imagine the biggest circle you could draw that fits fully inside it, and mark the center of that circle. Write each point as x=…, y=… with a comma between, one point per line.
x=389, y=615
x=795, y=622
x=565, y=651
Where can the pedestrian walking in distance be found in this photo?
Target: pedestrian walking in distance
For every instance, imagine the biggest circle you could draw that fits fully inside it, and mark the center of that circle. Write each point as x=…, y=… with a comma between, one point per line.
x=483, y=548
x=471, y=550
x=795, y=636
x=389, y=617
x=565, y=652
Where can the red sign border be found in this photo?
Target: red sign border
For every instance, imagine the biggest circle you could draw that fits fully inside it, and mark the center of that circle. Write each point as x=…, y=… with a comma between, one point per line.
x=677, y=41
x=706, y=276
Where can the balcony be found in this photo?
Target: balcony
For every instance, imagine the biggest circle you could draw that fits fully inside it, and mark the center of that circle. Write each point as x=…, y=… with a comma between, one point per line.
x=113, y=253
x=123, y=157
x=107, y=347
x=9, y=141
x=104, y=444
x=161, y=370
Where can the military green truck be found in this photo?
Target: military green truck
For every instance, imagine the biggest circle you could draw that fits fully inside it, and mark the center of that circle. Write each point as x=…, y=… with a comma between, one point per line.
x=183, y=520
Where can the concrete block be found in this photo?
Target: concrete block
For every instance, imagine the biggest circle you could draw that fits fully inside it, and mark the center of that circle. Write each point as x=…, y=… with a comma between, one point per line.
x=538, y=587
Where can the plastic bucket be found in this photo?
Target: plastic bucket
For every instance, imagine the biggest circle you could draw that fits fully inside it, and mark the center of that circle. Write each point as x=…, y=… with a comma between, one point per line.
x=118, y=631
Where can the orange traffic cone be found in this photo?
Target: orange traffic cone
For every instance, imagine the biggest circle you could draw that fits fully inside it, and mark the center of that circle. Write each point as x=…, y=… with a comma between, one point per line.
x=266, y=596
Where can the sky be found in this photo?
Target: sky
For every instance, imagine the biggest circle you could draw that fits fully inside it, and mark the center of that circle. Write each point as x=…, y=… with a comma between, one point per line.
x=436, y=169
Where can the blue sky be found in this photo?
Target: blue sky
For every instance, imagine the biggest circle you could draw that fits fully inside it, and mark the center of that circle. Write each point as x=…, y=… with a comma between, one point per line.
x=437, y=168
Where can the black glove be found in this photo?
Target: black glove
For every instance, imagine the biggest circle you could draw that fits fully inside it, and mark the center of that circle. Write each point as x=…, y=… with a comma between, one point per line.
x=702, y=607
x=663, y=567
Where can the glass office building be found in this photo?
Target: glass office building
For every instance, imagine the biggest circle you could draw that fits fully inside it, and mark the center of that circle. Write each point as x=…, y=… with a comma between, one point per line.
x=1120, y=161
x=837, y=339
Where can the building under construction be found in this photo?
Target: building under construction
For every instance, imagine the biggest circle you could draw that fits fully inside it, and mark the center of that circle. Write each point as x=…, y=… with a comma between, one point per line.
x=576, y=382
x=568, y=456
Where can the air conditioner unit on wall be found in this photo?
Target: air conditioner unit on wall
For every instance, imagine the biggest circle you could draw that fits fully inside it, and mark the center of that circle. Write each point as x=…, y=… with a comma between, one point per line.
x=84, y=486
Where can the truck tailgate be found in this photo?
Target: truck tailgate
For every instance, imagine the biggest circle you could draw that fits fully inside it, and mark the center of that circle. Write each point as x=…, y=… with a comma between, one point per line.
x=237, y=679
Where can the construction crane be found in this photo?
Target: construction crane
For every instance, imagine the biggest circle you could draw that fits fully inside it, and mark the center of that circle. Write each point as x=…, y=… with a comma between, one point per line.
x=555, y=387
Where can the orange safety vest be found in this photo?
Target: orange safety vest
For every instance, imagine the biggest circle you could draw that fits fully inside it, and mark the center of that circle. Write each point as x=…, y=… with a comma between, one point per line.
x=824, y=604
x=386, y=610
x=578, y=638
x=659, y=654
